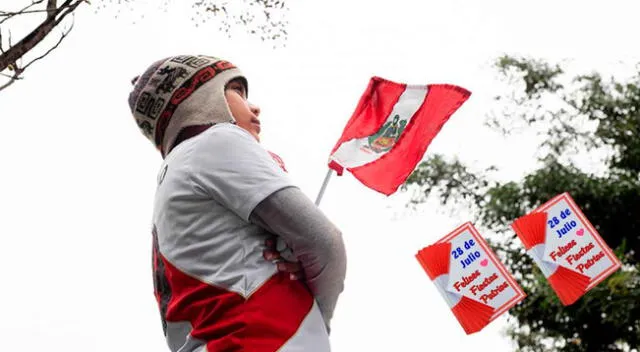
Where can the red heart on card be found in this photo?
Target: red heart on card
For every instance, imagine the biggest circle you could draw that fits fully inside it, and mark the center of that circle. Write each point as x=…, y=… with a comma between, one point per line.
x=580, y=232
x=484, y=262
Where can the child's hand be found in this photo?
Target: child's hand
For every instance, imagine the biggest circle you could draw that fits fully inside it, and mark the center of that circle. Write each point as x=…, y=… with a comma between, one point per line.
x=272, y=254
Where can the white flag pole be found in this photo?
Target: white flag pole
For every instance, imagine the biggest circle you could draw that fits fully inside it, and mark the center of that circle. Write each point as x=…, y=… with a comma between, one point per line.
x=324, y=186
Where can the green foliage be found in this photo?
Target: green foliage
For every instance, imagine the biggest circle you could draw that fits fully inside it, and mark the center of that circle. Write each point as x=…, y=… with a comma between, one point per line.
x=538, y=76
x=608, y=317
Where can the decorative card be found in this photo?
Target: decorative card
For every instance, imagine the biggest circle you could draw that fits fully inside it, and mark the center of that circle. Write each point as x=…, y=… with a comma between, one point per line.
x=474, y=283
x=566, y=247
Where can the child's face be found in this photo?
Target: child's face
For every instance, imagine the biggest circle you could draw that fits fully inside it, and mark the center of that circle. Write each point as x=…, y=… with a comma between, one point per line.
x=245, y=114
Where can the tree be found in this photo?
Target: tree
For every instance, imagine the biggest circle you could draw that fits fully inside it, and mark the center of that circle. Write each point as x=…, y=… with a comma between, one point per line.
x=54, y=14
x=579, y=116
x=263, y=18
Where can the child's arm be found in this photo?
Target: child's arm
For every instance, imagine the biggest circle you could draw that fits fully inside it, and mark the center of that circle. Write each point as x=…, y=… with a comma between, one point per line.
x=315, y=241
x=228, y=165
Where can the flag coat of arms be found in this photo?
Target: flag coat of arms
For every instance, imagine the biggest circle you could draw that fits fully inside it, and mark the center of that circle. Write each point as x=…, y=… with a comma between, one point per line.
x=390, y=130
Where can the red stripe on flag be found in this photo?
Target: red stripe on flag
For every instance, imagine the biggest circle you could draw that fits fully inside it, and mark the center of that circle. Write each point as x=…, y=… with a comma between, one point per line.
x=372, y=111
x=387, y=173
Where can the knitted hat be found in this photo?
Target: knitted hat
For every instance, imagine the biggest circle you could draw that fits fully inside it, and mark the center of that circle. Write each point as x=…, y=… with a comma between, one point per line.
x=178, y=92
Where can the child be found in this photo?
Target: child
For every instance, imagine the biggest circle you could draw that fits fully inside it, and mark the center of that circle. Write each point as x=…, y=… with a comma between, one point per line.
x=219, y=195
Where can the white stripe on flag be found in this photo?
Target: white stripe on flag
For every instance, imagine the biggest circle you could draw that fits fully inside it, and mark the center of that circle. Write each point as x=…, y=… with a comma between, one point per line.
x=358, y=152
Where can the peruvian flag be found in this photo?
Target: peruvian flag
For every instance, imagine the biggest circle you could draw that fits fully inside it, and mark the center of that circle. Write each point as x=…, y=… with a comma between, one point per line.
x=390, y=130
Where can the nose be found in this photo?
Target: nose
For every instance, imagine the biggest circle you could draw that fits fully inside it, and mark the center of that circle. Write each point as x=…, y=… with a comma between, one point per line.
x=254, y=109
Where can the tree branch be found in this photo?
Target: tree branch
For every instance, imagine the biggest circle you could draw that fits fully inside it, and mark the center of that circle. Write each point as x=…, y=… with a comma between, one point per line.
x=67, y=11
x=64, y=35
x=12, y=79
x=38, y=34
x=21, y=12
x=52, y=5
x=1, y=43
x=8, y=76
x=8, y=15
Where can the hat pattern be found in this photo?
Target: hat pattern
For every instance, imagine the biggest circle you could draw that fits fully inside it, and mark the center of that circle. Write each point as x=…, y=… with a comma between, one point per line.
x=158, y=96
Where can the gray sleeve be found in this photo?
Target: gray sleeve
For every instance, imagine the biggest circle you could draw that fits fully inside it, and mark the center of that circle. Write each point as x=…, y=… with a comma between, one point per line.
x=315, y=241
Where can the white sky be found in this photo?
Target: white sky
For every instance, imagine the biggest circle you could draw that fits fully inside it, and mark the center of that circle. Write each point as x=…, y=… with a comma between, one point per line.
x=77, y=177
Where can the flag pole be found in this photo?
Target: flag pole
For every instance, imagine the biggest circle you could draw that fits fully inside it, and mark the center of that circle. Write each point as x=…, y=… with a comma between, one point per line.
x=324, y=186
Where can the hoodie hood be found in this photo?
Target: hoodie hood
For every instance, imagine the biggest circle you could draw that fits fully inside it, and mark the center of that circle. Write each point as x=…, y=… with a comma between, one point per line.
x=179, y=92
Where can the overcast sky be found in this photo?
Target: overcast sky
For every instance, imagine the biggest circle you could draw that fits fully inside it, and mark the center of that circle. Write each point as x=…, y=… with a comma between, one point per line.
x=78, y=178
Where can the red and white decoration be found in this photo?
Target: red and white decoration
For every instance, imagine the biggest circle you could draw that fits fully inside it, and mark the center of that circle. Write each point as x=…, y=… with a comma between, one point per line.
x=474, y=283
x=567, y=248
x=390, y=130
